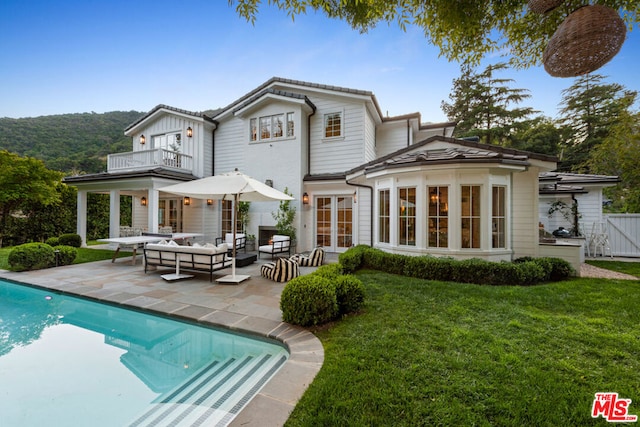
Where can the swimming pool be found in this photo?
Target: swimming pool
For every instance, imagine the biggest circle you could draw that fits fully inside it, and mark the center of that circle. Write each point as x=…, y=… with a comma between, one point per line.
x=69, y=361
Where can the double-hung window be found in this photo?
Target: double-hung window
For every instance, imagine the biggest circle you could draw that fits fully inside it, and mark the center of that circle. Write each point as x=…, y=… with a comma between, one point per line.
x=333, y=125
x=498, y=218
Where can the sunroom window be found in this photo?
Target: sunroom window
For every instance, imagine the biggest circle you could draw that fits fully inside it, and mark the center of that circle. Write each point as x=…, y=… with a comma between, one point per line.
x=438, y=217
x=470, y=216
x=384, y=216
x=407, y=216
x=498, y=218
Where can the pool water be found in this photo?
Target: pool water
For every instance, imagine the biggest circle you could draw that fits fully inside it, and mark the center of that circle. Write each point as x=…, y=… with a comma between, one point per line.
x=67, y=361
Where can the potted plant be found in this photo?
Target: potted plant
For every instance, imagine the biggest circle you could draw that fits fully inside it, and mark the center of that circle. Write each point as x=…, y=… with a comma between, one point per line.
x=251, y=242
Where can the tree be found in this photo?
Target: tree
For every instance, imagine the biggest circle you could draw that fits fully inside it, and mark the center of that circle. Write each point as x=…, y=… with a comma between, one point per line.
x=590, y=108
x=619, y=154
x=284, y=217
x=483, y=105
x=465, y=31
x=24, y=180
x=539, y=135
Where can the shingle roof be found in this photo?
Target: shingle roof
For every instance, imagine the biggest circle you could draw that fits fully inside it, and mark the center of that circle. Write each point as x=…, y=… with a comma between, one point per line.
x=168, y=107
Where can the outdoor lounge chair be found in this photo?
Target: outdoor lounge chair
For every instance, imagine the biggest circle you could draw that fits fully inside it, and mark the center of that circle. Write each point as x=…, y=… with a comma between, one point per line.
x=241, y=241
x=279, y=244
x=282, y=270
x=314, y=259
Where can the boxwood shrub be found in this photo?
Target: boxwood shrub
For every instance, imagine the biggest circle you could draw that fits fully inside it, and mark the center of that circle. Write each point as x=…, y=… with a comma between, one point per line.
x=349, y=293
x=71, y=240
x=31, y=256
x=66, y=254
x=523, y=271
x=53, y=241
x=309, y=300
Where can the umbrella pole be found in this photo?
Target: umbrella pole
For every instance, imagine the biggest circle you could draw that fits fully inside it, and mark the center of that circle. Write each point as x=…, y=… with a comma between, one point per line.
x=235, y=219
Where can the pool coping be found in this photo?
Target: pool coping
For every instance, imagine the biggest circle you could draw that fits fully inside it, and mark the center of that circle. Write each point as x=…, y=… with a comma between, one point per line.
x=277, y=399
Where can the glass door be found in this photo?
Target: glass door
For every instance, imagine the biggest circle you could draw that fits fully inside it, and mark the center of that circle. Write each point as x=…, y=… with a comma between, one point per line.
x=334, y=222
x=170, y=214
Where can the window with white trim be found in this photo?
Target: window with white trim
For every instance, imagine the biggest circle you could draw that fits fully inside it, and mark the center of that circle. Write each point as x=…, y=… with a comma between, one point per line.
x=407, y=216
x=438, y=217
x=269, y=128
x=333, y=125
x=384, y=215
x=498, y=217
x=470, y=216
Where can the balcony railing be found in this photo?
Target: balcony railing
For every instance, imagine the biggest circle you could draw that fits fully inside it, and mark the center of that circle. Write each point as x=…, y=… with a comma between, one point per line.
x=149, y=159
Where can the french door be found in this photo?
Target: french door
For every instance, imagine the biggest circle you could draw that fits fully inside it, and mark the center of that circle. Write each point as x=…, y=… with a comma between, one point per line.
x=170, y=214
x=334, y=222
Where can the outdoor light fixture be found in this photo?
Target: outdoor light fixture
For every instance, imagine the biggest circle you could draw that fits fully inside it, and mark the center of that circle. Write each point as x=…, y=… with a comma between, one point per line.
x=187, y=201
x=142, y=139
x=305, y=199
x=143, y=201
x=189, y=132
x=355, y=197
x=269, y=182
x=209, y=202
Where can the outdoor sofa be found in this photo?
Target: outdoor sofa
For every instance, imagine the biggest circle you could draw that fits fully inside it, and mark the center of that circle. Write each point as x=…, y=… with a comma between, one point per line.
x=207, y=258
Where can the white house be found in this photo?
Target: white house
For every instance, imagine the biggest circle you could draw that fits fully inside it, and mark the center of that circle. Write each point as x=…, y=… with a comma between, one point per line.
x=358, y=177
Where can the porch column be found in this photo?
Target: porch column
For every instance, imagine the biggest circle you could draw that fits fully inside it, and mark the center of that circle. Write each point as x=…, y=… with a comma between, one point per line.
x=154, y=204
x=81, y=216
x=114, y=213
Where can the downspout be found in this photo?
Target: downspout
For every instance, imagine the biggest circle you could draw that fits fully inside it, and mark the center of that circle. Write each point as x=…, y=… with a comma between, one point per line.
x=309, y=141
x=370, y=187
x=576, y=215
x=408, y=133
x=213, y=151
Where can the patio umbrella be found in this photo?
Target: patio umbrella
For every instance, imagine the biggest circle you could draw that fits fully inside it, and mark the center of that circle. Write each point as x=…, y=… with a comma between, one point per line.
x=233, y=184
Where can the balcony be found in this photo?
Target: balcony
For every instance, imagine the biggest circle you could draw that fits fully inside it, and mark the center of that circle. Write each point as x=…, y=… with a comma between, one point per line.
x=149, y=159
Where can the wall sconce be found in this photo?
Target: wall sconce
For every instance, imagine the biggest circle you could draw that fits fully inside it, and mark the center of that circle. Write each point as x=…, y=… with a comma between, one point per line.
x=209, y=202
x=143, y=201
x=355, y=197
x=305, y=199
x=189, y=132
x=142, y=139
x=269, y=182
x=187, y=201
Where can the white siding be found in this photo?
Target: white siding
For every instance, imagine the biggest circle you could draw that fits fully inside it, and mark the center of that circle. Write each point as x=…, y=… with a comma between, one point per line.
x=369, y=138
x=337, y=154
x=525, y=213
x=391, y=136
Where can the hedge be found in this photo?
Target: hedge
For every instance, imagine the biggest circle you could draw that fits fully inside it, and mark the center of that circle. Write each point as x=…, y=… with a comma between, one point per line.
x=31, y=256
x=523, y=271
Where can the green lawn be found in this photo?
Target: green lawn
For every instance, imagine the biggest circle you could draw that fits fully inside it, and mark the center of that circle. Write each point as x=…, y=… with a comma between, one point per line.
x=434, y=353
x=632, y=268
x=84, y=255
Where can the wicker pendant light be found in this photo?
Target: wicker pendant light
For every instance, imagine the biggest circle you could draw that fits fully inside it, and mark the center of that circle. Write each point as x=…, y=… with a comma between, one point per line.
x=543, y=6
x=585, y=41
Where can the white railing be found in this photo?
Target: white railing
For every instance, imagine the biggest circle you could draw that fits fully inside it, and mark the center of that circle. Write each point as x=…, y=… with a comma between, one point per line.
x=147, y=159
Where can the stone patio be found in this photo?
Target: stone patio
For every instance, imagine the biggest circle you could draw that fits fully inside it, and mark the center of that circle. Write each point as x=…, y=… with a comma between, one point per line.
x=251, y=307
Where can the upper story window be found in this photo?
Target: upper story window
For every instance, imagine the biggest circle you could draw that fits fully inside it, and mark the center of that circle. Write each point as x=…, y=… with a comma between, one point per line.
x=267, y=128
x=332, y=125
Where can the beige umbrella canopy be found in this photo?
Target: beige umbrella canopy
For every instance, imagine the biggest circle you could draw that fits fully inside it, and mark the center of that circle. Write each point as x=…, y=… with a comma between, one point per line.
x=236, y=185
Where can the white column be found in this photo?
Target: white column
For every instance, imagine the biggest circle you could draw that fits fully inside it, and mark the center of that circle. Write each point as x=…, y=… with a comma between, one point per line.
x=154, y=203
x=81, y=216
x=114, y=213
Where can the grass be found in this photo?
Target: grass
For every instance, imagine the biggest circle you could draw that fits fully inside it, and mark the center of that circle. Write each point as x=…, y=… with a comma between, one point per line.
x=632, y=268
x=84, y=255
x=434, y=353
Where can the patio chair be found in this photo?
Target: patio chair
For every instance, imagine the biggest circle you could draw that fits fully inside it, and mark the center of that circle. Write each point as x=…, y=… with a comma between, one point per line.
x=241, y=241
x=279, y=244
x=314, y=259
x=282, y=270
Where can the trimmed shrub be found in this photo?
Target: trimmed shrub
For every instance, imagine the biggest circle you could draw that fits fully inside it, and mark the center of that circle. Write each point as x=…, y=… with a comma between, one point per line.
x=330, y=271
x=66, y=254
x=308, y=300
x=71, y=240
x=560, y=269
x=53, y=241
x=31, y=256
x=429, y=268
x=352, y=259
x=349, y=293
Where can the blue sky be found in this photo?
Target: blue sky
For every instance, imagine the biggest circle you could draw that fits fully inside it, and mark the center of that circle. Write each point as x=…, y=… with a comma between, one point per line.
x=74, y=56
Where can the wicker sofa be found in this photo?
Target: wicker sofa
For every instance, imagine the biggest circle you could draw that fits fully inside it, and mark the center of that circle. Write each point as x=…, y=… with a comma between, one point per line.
x=207, y=258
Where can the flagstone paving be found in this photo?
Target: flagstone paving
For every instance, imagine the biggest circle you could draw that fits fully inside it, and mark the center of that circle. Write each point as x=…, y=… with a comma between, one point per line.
x=252, y=307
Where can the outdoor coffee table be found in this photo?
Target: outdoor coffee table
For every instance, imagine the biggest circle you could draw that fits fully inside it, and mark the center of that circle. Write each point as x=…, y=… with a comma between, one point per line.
x=243, y=260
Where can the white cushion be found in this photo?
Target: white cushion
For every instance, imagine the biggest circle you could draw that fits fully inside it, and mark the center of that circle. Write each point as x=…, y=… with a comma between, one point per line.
x=172, y=243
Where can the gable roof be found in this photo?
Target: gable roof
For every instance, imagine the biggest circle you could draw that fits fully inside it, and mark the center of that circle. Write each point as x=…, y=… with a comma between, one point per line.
x=302, y=84
x=573, y=183
x=276, y=93
x=168, y=108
